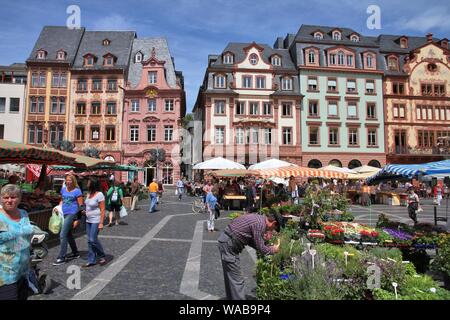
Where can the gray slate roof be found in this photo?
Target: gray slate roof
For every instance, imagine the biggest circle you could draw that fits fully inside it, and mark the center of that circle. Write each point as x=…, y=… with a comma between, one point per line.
x=92, y=42
x=162, y=53
x=17, y=68
x=306, y=33
x=52, y=39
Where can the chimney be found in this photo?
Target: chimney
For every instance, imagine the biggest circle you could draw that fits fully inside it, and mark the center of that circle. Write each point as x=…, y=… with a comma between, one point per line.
x=429, y=37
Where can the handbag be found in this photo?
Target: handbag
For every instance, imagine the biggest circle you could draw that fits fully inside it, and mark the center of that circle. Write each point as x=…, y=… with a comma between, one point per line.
x=123, y=212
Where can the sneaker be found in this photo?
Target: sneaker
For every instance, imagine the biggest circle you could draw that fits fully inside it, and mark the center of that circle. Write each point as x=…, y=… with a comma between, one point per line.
x=73, y=256
x=59, y=262
x=102, y=261
x=88, y=265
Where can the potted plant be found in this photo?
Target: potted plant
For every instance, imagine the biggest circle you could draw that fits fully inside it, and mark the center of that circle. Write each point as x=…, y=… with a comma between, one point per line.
x=441, y=262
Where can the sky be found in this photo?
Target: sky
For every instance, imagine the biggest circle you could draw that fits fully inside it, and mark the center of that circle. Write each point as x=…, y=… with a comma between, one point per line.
x=197, y=28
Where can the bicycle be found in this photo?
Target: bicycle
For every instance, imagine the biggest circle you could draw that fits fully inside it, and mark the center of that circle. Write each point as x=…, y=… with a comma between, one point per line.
x=198, y=206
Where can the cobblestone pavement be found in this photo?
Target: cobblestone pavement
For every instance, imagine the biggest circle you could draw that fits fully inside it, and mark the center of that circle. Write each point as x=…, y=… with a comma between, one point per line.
x=170, y=255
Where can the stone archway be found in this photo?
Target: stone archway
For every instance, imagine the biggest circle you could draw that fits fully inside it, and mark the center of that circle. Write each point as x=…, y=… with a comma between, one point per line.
x=315, y=164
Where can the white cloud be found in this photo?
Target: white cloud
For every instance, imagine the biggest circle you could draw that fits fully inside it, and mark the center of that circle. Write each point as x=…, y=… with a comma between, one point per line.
x=436, y=18
x=113, y=22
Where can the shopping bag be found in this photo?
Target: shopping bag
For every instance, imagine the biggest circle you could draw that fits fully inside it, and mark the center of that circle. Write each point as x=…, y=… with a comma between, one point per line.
x=419, y=210
x=56, y=220
x=123, y=212
x=176, y=191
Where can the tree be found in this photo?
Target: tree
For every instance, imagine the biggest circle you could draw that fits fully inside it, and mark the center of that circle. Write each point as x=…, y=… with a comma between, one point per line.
x=185, y=121
x=92, y=152
x=64, y=145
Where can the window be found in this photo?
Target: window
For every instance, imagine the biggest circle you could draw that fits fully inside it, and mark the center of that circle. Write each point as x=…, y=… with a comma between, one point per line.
x=351, y=86
x=254, y=108
x=151, y=133
x=313, y=109
x=318, y=36
x=314, y=135
x=58, y=105
x=354, y=38
x=240, y=107
x=333, y=136
x=253, y=58
x=312, y=56
x=41, y=54
x=425, y=138
x=439, y=90
x=392, y=64
x=267, y=108
x=255, y=135
x=106, y=42
x=79, y=134
x=55, y=80
x=369, y=59
x=219, y=107
x=33, y=104
x=112, y=85
x=372, y=137
x=399, y=111
x=134, y=133
x=247, y=81
x=268, y=136
x=398, y=88
x=312, y=84
x=167, y=173
x=95, y=133
x=287, y=109
x=56, y=134
x=97, y=85
x=42, y=80
x=336, y=35
x=220, y=133
x=403, y=43
x=228, y=59
x=108, y=61
x=286, y=84
x=371, y=111
x=138, y=57
x=287, y=136
x=35, y=134
x=95, y=108
x=352, y=110
x=332, y=85
x=110, y=134
x=370, y=86
x=168, y=105
x=168, y=133
x=34, y=80
x=219, y=81
x=134, y=105
x=152, y=77
x=260, y=82
x=151, y=105
x=111, y=108
x=276, y=61
x=81, y=108
x=353, y=136
x=332, y=59
x=332, y=109
x=341, y=58
x=54, y=105
x=239, y=136
x=3, y=105
x=82, y=85
x=349, y=60
x=14, y=104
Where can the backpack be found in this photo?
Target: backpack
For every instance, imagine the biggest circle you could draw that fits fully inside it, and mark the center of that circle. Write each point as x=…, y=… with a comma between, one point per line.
x=115, y=196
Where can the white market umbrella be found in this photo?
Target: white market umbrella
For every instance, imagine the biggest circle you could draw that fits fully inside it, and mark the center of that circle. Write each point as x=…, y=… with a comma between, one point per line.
x=338, y=169
x=366, y=169
x=218, y=164
x=271, y=164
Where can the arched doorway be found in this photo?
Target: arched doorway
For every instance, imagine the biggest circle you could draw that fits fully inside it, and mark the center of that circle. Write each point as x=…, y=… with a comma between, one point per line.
x=167, y=170
x=375, y=163
x=354, y=164
x=149, y=172
x=335, y=163
x=315, y=164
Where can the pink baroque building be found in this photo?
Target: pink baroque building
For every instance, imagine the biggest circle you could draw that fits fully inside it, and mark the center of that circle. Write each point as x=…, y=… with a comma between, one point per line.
x=154, y=106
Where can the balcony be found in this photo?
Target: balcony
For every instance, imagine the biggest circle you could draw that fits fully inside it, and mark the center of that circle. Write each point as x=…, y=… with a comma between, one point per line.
x=441, y=150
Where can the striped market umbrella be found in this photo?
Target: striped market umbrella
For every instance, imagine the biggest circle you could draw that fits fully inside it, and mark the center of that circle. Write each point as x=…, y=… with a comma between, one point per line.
x=13, y=152
x=302, y=172
x=234, y=173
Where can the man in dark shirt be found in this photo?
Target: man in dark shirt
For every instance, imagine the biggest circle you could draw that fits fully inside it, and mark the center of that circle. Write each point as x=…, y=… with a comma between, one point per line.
x=135, y=188
x=245, y=230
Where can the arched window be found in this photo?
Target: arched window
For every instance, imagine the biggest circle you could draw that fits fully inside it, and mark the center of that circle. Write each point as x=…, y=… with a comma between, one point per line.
x=276, y=61
x=318, y=36
x=340, y=57
x=336, y=35
x=312, y=56
x=315, y=164
x=354, y=164
x=228, y=59
x=374, y=163
x=336, y=163
x=167, y=170
x=138, y=57
x=354, y=38
x=392, y=63
x=253, y=58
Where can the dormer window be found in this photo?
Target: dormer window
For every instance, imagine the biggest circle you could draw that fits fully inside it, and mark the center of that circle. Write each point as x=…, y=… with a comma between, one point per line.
x=311, y=56
x=318, y=36
x=403, y=43
x=444, y=43
x=108, y=59
x=106, y=42
x=219, y=81
x=89, y=60
x=354, y=38
x=393, y=63
x=138, y=57
x=336, y=35
x=41, y=54
x=369, y=61
x=60, y=55
x=253, y=59
x=276, y=61
x=286, y=83
x=228, y=59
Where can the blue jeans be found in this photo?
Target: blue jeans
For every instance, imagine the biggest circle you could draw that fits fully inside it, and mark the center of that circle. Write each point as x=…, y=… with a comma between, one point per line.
x=180, y=192
x=66, y=236
x=152, y=202
x=95, y=247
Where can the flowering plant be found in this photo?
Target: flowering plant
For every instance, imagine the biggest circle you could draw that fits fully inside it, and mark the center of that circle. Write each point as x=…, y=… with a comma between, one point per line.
x=334, y=233
x=368, y=236
x=399, y=237
x=315, y=235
